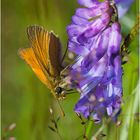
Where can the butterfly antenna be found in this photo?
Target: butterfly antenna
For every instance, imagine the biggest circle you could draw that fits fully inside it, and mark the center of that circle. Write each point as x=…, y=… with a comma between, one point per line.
x=64, y=54
x=70, y=65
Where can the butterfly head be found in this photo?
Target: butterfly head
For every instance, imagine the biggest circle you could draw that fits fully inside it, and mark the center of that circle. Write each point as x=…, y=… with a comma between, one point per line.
x=60, y=93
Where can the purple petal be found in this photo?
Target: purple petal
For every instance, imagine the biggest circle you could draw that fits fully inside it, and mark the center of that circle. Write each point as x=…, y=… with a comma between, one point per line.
x=79, y=21
x=74, y=30
x=76, y=48
x=88, y=13
x=109, y=110
x=115, y=39
x=97, y=26
x=88, y=3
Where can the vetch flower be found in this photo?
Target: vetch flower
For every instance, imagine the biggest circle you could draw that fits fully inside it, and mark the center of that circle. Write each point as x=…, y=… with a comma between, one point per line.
x=95, y=37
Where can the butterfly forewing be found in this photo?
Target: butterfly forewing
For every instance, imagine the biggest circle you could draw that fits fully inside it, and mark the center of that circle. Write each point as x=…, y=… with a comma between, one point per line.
x=47, y=49
x=39, y=41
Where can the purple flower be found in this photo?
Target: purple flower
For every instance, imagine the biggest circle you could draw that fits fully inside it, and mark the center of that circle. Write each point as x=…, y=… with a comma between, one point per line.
x=95, y=37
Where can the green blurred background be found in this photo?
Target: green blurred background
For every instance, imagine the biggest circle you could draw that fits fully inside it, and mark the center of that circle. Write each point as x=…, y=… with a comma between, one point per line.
x=26, y=101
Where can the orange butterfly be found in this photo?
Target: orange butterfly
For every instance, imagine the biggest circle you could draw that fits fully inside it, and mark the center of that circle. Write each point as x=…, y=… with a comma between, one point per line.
x=44, y=58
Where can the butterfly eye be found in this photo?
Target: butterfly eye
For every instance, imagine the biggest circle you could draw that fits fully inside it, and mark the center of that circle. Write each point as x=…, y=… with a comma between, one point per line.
x=58, y=90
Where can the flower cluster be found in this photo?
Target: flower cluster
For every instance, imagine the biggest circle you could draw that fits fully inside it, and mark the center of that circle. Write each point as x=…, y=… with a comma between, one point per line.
x=95, y=37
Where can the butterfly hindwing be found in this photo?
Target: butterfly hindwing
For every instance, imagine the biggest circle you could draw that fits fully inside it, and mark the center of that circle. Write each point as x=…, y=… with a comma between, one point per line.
x=29, y=56
x=54, y=55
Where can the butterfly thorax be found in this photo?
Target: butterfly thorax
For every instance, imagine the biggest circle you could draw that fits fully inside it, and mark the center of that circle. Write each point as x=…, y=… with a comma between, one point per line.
x=58, y=89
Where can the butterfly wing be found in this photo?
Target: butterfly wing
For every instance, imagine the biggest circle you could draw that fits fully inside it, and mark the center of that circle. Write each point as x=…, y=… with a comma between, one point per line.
x=43, y=55
x=47, y=48
x=54, y=55
x=29, y=56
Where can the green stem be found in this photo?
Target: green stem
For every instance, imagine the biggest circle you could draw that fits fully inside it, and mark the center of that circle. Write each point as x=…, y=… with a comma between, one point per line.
x=98, y=132
x=89, y=128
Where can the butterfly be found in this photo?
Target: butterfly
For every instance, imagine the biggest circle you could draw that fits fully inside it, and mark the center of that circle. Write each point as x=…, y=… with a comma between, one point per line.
x=44, y=57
